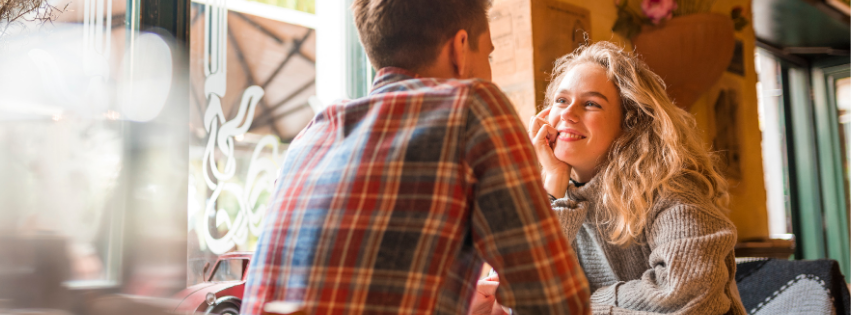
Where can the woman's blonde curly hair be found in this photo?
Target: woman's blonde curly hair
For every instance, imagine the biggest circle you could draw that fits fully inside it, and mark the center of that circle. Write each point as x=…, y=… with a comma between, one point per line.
x=658, y=154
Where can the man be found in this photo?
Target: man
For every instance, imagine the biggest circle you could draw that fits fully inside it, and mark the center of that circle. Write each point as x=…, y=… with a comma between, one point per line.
x=389, y=204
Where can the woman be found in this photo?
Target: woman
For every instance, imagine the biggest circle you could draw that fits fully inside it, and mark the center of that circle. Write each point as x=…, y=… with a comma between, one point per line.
x=635, y=189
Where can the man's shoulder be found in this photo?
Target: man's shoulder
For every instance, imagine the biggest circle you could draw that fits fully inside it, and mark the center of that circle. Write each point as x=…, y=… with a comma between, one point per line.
x=485, y=89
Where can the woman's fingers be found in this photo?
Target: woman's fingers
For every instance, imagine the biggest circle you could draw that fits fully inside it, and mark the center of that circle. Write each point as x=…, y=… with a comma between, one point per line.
x=498, y=309
x=484, y=298
x=543, y=141
x=481, y=304
x=544, y=113
x=535, y=122
x=544, y=149
x=552, y=135
x=486, y=287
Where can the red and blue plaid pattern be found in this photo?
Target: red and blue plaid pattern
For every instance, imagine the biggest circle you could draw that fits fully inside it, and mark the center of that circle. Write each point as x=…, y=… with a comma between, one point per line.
x=389, y=204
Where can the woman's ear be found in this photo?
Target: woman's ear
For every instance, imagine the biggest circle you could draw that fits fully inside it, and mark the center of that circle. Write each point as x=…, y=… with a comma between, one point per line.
x=459, y=50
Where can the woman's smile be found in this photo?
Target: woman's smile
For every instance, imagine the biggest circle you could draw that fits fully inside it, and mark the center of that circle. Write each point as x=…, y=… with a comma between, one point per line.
x=569, y=135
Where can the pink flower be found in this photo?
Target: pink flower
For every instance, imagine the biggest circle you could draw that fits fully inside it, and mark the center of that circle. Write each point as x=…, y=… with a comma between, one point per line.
x=658, y=10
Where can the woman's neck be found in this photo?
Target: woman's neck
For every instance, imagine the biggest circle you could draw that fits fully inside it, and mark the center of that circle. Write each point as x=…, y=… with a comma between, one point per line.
x=583, y=175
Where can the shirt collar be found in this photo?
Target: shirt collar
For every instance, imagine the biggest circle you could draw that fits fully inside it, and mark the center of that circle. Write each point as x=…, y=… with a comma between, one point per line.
x=388, y=75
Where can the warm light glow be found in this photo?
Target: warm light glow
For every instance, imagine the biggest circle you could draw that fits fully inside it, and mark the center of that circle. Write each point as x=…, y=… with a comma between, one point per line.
x=145, y=91
x=111, y=115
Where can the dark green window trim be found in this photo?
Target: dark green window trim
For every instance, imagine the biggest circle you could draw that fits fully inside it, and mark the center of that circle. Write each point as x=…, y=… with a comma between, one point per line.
x=818, y=209
x=830, y=163
x=807, y=208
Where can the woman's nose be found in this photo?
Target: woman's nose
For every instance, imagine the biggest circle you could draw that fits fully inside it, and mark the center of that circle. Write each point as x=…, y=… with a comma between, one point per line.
x=570, y=114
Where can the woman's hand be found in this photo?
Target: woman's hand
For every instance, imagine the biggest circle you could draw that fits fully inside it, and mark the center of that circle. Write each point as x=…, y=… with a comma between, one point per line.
x=484, y=301
x=555, y=173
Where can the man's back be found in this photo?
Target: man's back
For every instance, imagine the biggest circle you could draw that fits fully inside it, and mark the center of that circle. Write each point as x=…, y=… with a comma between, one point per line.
x=389, y=204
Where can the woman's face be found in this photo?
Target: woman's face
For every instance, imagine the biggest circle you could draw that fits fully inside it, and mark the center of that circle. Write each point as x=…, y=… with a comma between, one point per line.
x=587, y=113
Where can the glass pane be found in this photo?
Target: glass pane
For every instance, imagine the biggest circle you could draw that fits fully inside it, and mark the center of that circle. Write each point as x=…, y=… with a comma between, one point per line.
x=774, y=157
x=229, y=270
x=252, y=73
x=62, y=132
x=843, y=107
x=93, y=156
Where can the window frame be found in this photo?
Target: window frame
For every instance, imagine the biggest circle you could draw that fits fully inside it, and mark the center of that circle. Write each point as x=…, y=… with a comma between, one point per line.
x=818, y=211
x=824, y=76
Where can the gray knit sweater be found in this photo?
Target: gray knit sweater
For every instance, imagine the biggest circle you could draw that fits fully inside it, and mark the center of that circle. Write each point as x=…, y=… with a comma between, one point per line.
x=684, y=263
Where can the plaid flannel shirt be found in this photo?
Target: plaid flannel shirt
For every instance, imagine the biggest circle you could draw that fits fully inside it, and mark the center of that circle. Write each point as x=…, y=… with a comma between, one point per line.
x=389, y=204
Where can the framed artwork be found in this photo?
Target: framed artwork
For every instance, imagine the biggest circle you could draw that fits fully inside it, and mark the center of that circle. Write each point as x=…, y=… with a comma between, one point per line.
x=726, y=142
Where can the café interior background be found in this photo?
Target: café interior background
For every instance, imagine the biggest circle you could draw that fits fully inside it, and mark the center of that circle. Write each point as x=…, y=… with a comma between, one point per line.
x=141, y=138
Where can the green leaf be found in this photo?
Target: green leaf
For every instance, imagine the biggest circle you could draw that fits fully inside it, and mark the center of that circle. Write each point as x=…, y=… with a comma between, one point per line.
x=628, y=23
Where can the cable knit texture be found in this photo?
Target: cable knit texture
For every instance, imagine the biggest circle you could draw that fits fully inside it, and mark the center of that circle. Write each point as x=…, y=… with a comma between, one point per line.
x=683, y=263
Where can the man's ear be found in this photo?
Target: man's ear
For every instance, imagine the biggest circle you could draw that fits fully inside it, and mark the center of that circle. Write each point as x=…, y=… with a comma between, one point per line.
x=460, y=47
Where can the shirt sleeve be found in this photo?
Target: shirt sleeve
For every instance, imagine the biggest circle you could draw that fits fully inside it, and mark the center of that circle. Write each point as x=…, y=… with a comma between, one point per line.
x=691, y=265
x=513, y=226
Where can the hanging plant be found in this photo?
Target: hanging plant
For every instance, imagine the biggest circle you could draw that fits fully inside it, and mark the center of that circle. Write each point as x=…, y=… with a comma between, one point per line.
x=11, y=10
x=26, y=10
x=682, y=41
x=633, y=15
x=658, y=10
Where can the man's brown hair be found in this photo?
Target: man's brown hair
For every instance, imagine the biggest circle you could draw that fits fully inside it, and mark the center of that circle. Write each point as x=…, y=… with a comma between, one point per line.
x=409, y=33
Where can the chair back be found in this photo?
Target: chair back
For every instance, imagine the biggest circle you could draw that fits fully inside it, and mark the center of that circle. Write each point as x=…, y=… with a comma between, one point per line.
x=776, y=286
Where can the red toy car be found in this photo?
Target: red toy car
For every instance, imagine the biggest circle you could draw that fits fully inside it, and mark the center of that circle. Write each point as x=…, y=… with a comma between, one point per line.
x=221, y=292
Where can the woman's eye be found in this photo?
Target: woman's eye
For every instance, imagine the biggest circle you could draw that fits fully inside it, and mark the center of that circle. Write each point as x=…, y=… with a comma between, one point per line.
x=592, y=104
x=561, y=100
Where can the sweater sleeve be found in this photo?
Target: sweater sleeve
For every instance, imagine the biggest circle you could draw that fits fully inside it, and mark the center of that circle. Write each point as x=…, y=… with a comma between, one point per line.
x=570, y=215
x=689, y=267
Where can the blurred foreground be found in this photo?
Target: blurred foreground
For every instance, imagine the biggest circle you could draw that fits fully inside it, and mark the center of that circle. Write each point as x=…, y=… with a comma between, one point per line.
x=94, y=161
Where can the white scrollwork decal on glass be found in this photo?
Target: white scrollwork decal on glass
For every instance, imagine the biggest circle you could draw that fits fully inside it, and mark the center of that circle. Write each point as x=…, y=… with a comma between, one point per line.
x=97, y=34
x=221, y=132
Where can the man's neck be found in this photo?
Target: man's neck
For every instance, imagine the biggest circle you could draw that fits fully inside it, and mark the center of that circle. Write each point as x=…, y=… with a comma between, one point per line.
x=441, y=68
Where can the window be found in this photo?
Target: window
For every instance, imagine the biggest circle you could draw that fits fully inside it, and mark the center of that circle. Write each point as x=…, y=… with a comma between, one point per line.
x=774, y=149
x=252, y=77
x=254, y=84
x=94, y=152
x=229, y=270
x=830, y=83
x=804, y=118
